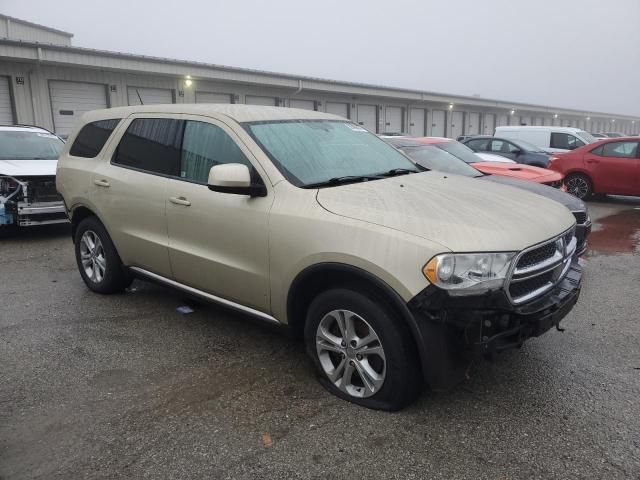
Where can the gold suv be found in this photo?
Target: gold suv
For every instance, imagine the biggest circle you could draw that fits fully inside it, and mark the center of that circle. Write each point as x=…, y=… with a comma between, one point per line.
x=389, y=273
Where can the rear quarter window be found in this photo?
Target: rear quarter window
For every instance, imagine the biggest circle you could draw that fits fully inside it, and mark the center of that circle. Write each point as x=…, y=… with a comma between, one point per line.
x=92, y=138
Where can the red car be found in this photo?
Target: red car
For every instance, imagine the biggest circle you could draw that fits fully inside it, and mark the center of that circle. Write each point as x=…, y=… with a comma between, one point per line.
x=608, y=166
x=515, y=170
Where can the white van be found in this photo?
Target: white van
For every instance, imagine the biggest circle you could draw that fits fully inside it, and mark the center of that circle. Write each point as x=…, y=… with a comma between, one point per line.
x=553, y=139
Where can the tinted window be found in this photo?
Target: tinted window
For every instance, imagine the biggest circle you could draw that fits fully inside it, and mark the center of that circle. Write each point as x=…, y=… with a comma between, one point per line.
x=152, y=144
x=565, y=141
x=620, y=149
x=598, y=151
x=498, y=146
x=92, y=138
x=204, y=146
x=478, y=145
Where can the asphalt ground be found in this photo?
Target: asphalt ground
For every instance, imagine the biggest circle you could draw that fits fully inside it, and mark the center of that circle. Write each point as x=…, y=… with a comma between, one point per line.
x=125, y=386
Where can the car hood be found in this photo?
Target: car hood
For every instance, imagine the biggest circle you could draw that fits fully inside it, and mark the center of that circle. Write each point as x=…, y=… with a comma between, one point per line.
x=519, y=170
x=460, y=213
x=490, y=157
x=572, y=203
x=28, y=168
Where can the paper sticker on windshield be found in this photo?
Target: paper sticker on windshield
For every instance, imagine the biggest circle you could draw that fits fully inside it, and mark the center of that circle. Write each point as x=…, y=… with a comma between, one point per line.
x=46, y=135
x=356, y=128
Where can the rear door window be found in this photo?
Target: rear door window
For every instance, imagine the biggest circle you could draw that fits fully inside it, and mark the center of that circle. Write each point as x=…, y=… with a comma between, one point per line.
x=497, y=146
x=152, y=145
x=92, y=138
x=620, y=149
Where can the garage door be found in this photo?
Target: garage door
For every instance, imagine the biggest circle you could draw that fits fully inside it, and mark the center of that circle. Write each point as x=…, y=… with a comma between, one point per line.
x=538, y=121
x=489, y=124
x=438, y=123
x=255, y=100
x=341, y=109
x=6, y=106
x=69, y=100
x=367, y=117
x=503, y=120
x=149, y=96
x=514, y=120
x=303, y=104
x=457, y=123
x=473, y=124
x=393, y=119
x=416, y=122
x=526, y=120
x=208, y=97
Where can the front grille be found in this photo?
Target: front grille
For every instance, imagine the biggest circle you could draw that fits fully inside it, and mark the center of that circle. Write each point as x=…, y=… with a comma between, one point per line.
x=581, y=217
x=520, y=289
x=42, y=190
x=536, y=256
x=539, y=268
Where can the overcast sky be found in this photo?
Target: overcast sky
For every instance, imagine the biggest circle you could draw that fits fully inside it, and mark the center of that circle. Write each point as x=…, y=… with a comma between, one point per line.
x=581, y=54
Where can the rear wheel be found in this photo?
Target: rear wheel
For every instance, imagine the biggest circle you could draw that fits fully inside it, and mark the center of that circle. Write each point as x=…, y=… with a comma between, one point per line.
x=98, y=261
x=579, y=185
x=363, y=352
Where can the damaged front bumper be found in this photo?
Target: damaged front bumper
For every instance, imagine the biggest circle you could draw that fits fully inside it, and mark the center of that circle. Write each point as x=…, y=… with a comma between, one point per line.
x=31, y=202
x=490, y=323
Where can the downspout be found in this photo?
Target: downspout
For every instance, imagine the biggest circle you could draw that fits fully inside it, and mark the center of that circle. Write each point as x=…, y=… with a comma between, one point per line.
x=299, y=87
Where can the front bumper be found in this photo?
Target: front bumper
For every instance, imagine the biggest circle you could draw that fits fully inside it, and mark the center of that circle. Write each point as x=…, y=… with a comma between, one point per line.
x=490, y=323
x=582, y=232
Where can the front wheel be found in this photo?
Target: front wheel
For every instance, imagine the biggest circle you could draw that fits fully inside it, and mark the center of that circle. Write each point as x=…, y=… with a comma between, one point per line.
x=363, y=352
x=97, y=258
x=579, y=185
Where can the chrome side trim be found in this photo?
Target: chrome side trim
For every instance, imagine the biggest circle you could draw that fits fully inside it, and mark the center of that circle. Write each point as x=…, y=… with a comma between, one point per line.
x=205, y=295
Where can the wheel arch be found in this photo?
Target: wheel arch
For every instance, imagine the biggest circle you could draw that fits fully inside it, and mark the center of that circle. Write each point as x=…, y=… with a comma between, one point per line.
x=584, y=173
x=320, y=277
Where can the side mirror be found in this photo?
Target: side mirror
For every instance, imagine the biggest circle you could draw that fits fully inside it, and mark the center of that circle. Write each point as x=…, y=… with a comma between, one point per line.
x=234, y=178
x=517, y=151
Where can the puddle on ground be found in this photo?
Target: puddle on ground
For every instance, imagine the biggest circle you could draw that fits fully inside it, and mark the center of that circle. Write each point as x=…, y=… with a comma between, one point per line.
x=618, y=233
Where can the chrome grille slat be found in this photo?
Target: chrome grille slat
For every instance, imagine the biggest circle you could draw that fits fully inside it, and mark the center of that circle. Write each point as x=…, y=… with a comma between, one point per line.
x=538, y=268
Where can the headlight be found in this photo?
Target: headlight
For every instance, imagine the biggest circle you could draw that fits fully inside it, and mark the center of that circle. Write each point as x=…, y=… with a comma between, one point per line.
x=468, y=273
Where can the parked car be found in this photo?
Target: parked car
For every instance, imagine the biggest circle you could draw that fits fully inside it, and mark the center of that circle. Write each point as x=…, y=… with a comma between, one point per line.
x=28, y=158
x=511, y=169
x=433, y=158
x=599, y=136
x=305, y=219
x=490, y=157
x=614, y=134
x=516, y=150
x=552, y=139
x=608, y=166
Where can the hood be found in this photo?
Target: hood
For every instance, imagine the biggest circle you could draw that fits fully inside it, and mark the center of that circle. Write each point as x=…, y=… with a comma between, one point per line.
x=490, y=157
x=460, y=213
x=519, y=170
x=572, y=203
x=28, y=168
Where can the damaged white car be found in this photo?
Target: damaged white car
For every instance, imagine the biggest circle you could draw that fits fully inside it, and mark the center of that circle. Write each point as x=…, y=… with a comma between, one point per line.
x=28, y=160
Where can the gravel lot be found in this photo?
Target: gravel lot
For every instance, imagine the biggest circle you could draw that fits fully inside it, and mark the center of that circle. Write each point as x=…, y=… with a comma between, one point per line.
x=126, y=387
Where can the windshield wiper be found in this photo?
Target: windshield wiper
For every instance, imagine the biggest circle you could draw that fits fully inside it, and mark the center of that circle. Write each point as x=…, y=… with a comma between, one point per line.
x=399, y=171
x=344, y=179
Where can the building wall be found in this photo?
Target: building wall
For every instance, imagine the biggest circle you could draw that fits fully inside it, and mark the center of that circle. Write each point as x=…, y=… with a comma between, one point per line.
x=16, y=29
x=32, y=98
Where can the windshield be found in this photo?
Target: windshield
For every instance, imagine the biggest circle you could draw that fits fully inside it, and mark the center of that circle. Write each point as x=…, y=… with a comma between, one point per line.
x=24, y=145
x=459, y=150
x=586, y=136
x=308, y=152
x=434, y=158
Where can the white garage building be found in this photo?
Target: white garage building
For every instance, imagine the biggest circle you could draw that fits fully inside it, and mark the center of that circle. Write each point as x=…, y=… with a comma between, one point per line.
x=46, y=81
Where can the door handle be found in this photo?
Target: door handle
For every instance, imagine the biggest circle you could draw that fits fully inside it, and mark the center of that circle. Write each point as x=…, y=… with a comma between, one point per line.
x=593, y=161
x=180, y=201
x=102, y=183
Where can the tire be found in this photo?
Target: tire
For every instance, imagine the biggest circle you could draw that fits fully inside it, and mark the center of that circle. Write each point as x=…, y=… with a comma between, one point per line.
x=393, y=375
x=100, y=267
x=579, y=185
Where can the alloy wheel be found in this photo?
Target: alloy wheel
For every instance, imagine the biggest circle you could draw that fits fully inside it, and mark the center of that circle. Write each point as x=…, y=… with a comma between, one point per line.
x=350, y=353
x=92, y=256
x=578, y=187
